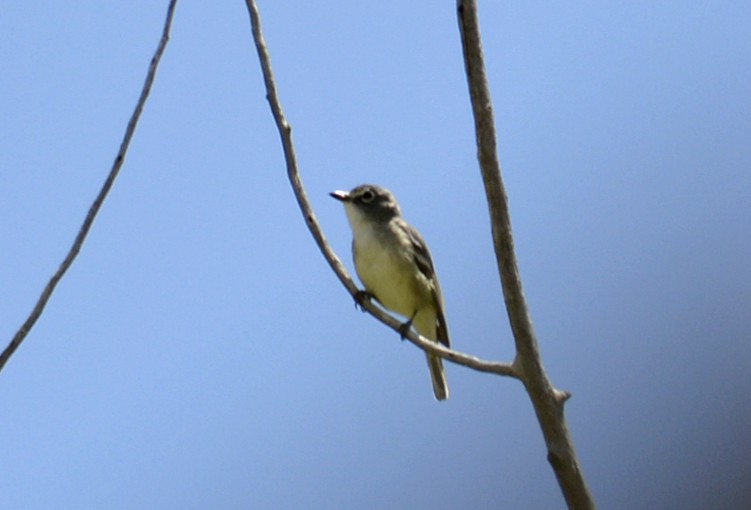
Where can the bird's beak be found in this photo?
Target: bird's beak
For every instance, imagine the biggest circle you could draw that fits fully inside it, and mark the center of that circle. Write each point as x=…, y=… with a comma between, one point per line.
x=342, y=196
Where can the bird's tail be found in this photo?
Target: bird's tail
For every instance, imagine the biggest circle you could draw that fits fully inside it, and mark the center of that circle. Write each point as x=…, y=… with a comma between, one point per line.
x=438, y=377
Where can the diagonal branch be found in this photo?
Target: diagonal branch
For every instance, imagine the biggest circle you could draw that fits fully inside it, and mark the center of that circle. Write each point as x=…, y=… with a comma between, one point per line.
x=97, y=204
x=285, y=133
x=547, y=402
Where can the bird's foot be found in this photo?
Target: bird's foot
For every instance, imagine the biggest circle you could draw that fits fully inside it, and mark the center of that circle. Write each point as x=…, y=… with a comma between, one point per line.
x=361, y=296
x=404, y=329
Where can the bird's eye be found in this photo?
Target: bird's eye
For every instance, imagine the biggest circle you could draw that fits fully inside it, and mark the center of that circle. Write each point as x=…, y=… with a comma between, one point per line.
x=368, y=196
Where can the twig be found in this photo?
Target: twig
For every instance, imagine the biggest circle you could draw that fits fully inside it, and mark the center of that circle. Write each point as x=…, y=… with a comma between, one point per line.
x=96, y=205
x=285, y=133
x=547, y=401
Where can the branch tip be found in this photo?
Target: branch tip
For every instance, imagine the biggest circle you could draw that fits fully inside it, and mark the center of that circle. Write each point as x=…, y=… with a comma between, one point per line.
x=561, y=396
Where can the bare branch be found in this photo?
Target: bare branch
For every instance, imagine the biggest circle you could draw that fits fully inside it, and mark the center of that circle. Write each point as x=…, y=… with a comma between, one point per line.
x=493, y=367
x=97, y=204
x=285, y=133
x=547, y=401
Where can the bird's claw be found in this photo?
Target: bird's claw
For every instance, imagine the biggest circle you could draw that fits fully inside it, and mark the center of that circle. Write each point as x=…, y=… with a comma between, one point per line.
x=360, y=297
x=404, y=329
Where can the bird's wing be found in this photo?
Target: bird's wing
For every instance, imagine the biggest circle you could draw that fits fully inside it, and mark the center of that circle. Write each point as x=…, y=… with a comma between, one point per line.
x=424, y=263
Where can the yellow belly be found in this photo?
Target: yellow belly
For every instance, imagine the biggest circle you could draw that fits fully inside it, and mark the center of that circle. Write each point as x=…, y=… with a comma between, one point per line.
x=392, y=276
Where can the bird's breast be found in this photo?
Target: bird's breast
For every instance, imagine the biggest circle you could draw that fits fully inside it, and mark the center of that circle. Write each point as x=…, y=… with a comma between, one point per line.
x=387, y=270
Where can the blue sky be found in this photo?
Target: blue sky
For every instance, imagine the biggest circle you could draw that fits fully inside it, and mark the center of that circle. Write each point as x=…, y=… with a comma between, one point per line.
x=200, y=353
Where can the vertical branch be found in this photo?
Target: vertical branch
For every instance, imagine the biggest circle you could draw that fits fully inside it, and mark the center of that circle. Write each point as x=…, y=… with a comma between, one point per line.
x=98, y=201
x=548, y=402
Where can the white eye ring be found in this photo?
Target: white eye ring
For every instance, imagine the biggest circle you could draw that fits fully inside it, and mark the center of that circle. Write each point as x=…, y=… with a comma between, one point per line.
x=368, y=196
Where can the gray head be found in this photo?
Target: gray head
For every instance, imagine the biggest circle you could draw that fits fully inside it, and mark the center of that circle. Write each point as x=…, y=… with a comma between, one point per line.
x=371, y=201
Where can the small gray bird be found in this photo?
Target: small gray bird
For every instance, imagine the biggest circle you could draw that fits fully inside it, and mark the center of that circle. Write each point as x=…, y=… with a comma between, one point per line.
x=394, y=264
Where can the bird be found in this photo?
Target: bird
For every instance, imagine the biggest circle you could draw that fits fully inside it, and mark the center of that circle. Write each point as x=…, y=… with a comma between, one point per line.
x=394, y=264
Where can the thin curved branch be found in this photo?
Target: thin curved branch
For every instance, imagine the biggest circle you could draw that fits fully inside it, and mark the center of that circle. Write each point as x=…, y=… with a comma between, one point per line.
x=460, y=358
x=547, y=401
x=98, y=201
x=285, y=133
